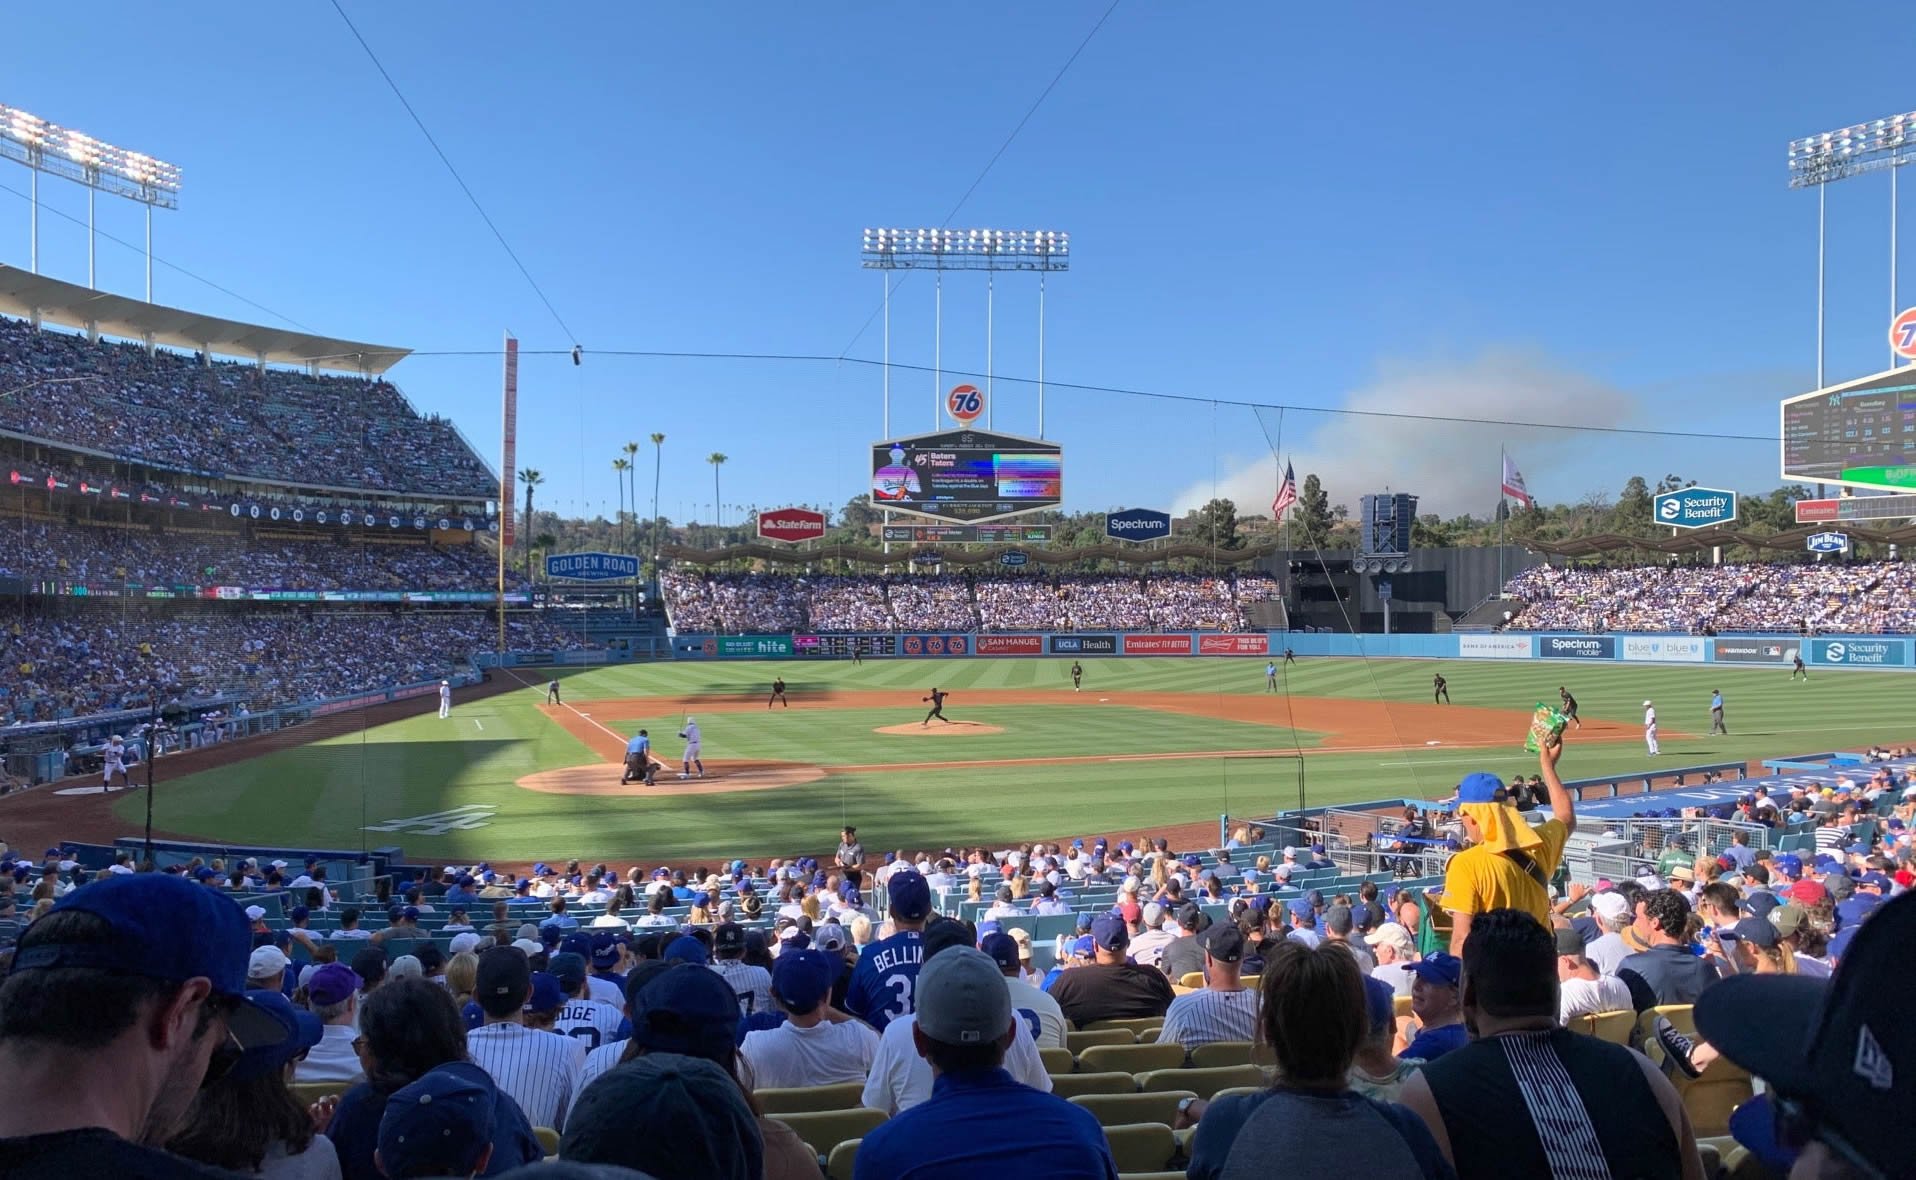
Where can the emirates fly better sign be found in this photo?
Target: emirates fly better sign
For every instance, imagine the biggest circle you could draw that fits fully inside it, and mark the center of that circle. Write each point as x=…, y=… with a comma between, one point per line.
x=791, y=524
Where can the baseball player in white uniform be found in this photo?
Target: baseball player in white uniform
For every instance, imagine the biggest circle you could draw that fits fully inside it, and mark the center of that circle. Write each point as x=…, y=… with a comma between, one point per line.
x=1650, y=727
x=691, y=735
x=445, y=698
x=112, y=762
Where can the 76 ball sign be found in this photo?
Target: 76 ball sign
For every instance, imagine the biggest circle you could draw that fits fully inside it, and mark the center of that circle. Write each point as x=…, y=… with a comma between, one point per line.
x=1902, y=335
x=965, y=403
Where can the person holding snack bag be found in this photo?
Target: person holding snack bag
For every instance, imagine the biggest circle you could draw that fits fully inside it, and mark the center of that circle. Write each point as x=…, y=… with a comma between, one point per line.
x=1509, y=861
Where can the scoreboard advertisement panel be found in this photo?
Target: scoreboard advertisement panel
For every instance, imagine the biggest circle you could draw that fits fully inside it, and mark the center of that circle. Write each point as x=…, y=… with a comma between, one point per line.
x=1861, y=433
x=966, y=476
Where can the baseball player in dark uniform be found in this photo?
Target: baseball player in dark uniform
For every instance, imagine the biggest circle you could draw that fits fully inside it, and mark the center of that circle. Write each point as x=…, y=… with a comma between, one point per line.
x=1439, y=689
x=1077, y=676
x=552, y=692
x=937, y=700
x=1799, y=669
x=778, y=693
x=1290, y=657
x=1569, y=705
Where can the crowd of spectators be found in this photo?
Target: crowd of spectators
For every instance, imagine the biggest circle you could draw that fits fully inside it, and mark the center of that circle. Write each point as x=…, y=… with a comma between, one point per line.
x=227, y=418
x=698, y=602
x=1790, y=598
x=103, y=554
x=98, y=660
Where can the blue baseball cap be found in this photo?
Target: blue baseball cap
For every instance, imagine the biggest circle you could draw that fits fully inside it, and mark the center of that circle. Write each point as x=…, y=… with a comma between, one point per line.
x=1109, y=932
x=605, y=951
x=438, y=1125
x=910, y=895
x=1481, y=787
x=545, y=994
x=1083, y=945
x=802, y=979
x=566, y=968
x=1792, y=865
x=1759, y=904
x=1003, y=950
x=472, y=1014
x=303, y=1031
x=577, y=943
x=1440, y=968
x=686, y=949
x=686, y=1010
x=1301, y=908
x=162, y=928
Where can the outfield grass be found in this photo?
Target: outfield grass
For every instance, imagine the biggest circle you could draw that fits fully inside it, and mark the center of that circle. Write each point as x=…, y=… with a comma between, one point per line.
x=325, y=794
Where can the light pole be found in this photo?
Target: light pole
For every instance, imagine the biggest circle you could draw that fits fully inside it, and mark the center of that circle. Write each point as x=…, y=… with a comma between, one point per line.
x=1818, y=160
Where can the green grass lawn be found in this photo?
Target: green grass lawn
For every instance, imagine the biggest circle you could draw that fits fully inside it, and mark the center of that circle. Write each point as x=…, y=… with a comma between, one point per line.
x=328, y=793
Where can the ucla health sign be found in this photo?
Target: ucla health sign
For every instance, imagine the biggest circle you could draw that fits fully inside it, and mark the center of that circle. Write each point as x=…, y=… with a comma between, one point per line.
x=1694, y=508
x=1860, y=653
x=1663, y=649
x=1137, y=524
x=1576, y=647
x=591, y=567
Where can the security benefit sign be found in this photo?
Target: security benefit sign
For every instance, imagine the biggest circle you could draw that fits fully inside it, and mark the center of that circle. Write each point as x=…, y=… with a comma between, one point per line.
x=591, y=567
x=965, y=476
x=1694, y=508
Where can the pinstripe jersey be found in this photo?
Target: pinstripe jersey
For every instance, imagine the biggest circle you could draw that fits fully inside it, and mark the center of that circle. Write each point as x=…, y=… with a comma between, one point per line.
x=1203, y=1016
x=589, y=1021
x=598, y=1061
x=752, y=985
x=539, y=1069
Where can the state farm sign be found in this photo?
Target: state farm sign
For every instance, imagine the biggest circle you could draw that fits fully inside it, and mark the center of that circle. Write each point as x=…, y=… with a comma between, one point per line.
x=791, y=524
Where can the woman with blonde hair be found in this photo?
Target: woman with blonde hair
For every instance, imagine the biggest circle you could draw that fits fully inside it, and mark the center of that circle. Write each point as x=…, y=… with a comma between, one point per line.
x=1761, y=950
x=976, y=890
x=462, y=976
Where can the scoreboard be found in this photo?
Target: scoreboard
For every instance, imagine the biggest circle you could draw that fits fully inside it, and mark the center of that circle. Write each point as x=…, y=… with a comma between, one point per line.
x=1861, y=433
x=966, y=476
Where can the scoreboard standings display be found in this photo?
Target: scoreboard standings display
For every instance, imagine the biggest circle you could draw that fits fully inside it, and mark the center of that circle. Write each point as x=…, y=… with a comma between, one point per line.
x=1861, y=433
x=966, y=475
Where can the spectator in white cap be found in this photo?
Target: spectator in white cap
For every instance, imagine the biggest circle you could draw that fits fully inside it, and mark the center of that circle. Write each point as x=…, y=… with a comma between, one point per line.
x=1614, y=914
x=978, y=1120
x=1147, y=949
x=1396, y=950
x=266, y=969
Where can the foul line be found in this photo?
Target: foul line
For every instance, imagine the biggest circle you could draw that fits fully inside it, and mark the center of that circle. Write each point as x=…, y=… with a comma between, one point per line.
x=586, y=717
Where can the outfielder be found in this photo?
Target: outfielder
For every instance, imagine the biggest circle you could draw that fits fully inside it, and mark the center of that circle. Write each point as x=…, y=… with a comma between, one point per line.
x=1077, y=676
x=778, y=693
x=691, y=735
x=445, y=698
x=1439, y=689
x=1650, y=727
x=112, y=762
x=937, y=700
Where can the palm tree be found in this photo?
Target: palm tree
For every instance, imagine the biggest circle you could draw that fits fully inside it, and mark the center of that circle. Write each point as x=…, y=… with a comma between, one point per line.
x=532, y=478
x=715, y=459
x=658, y=457
x=619, y=468
x=545, y=543
x=631, y=463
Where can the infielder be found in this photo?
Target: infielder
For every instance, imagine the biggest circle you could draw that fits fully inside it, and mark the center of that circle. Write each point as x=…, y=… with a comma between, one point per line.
x=1569, y=705
x=937, y=700
x=445, y=698
x=112, y=762
x=778, y=693
x=1439, y=689
x=1650, y=727
x=552, y=692
x=691, y=735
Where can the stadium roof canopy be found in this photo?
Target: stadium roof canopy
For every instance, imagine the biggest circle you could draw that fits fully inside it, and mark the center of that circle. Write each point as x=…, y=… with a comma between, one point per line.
x=41, y=299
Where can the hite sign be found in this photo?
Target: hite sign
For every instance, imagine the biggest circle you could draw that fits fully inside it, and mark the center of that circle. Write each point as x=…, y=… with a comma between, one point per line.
x=591, y=567
x=1695, y=508
x=1137, y=524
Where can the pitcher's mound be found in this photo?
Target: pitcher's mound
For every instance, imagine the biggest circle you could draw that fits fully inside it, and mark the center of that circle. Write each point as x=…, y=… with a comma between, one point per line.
x=940, y=729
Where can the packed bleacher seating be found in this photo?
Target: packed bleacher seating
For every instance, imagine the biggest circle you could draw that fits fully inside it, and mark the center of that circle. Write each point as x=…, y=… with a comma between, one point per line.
x=228, y=418
x=97, y=554
x=1854, y=598
x=93, y=661
x=700, y=602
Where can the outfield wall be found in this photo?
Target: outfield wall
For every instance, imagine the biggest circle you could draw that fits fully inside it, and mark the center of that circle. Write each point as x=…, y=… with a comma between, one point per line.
x=1839, y=651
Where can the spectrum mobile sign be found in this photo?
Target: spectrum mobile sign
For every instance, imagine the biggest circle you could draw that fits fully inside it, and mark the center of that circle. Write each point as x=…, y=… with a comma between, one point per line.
x=1137, y=524
x=791, y=524
x=1695, y=508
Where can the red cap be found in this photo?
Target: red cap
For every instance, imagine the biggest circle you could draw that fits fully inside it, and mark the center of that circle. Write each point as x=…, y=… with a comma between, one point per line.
x=1131, y=911
x=1904, y=877
x=1808, y=892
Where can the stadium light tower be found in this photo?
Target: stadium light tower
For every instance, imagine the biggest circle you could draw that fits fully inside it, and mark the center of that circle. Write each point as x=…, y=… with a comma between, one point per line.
x=1819, y=160
x=99, y=166
x=988, y=250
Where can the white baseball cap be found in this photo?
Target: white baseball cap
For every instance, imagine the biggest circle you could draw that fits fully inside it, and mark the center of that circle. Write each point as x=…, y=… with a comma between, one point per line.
x=1610, y=905
x=255, y=913
x=1646, y=704
x=528, y=946
x=266, y=962
x=463, y=942
x=406, y=967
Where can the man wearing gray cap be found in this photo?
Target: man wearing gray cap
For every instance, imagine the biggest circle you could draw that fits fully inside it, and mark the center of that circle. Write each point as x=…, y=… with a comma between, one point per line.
x=977, y=1118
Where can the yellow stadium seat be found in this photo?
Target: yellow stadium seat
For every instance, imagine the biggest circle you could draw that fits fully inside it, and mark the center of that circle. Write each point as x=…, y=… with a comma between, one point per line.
x=1236, y=1091
x=1708, y=1100
x=1134, y=1023
x=1070, y=1085
x=1191, y=979
x=1080, y=1039
x=1614, y=1027
x=1400, y=1006
x=1149, y=1035
x=1221, y=1053
x=798, y=1099
x=1681, y=1015
x=1057, y=1061
x=1113, y=1110
x=824, y=1130
x=1130, y=1058
x=1141, y=1147
x=548, y=1140
x=1205, y=1083
x=839, y=1166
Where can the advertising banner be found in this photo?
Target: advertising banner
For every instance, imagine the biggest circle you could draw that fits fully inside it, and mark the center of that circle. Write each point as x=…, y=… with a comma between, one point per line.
x=1493, y=647
x=934, y=645
x=1157, y=645
x=1137, y=524
x=591, y=567
x=791, y=524
x=1010, y=645
x=1663, y=649
x=1576, y=647
x=1860, y=653
x=1234, y=645
x=1086, y=645
x=1810, y=511
x=753, y=647
x=1754, y=651
x=1695, y=508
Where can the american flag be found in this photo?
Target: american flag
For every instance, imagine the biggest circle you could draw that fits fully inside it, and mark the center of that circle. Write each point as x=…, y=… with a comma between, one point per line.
x=1286, y=493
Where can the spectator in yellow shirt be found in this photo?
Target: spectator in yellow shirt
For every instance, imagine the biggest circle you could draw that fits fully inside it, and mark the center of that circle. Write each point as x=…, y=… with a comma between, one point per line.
x=1509, y=863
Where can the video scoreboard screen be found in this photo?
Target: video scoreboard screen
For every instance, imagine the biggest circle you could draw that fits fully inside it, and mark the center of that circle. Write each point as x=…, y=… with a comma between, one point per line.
x=1862, y=433
x=966, y=476
x=841, y=646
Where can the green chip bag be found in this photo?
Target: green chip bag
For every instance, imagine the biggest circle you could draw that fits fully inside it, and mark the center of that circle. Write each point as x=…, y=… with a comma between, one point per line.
x=1546, y=727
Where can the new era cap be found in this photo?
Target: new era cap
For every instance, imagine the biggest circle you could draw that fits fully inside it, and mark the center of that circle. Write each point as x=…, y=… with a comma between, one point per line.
x=568, y=969
x=728, y=936
x=961, y=998
x=801, y=979
x=1001, y=949
x=1441, y=968
x=438, y=1125
x=503, y=971
x=332, y=983
x=1109, y=933
x=686, y=1010
x=1223, y=942
x=910, y=895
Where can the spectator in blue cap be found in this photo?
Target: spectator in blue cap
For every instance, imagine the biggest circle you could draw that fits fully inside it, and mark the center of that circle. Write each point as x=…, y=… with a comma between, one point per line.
x=333, y=992
x=1509, y=862
x=544, y=998
x=1436, y=1006
x=120, y=1001
x=686, y=949
x=881, y=983
x=1303, y=917
x=674, y=1117
x=437, y=1126
x=410, y=1028
x=1111, y=987
x=815, y=1046
x=249, y=1121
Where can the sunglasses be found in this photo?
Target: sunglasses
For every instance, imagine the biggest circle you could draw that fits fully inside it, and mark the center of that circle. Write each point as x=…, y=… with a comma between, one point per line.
x=1797, y=1125
x=222, y=1060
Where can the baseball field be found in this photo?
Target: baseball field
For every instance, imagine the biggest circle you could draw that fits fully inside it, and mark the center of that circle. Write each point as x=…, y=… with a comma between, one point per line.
x=1147, y=744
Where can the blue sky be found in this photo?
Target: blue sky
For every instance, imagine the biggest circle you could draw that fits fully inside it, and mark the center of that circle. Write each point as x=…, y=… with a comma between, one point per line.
x=1491, y=211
